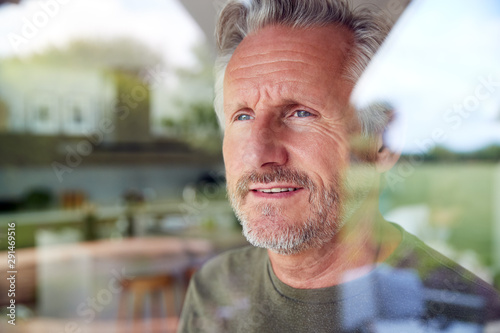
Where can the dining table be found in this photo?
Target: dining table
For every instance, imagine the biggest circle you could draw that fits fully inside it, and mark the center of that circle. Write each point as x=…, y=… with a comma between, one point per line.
x=79, y=287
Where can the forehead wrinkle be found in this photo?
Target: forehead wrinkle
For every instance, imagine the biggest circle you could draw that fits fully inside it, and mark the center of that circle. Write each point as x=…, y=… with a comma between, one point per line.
x=307, y=68
x=289, y=86
x=271, y=75
x=276, y=81
x=280, y=46
x=267, y=71
x=264, y=63
x=286, y=89
x=289, y=57
x=343, y=34
x=285, y=54
x=261, y=58
x=252, y=96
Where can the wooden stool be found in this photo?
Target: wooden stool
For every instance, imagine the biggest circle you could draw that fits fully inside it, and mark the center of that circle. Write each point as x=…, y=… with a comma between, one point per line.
x=162, y=291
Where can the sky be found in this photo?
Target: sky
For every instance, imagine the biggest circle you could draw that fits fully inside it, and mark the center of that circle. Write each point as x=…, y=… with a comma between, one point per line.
x=440, y=70
x=162, y=24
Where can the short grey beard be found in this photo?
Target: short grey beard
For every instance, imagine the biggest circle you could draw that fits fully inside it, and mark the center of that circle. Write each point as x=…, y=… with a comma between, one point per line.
x=320, y=227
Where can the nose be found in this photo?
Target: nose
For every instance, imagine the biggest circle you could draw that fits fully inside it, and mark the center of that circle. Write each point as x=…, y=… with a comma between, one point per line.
x=265, y=146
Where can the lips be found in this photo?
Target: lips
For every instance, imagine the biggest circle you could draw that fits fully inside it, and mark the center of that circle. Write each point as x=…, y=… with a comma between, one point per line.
x=276, y=183
x=277, y=189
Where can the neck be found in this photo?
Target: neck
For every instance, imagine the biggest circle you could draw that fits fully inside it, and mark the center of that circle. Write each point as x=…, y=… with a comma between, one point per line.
x=361, y=243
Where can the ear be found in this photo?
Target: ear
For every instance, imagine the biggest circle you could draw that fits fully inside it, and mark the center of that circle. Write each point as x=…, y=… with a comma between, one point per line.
x=386, y=157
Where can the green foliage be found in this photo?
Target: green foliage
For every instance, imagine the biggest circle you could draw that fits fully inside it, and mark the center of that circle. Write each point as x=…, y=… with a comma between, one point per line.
x=193, y=100
x=203, y=114
x=4, y=115
x=125, y=54
x=37, y=199
x=132, y=109
x=490, y=153
x=442, y=154
x=198, y=127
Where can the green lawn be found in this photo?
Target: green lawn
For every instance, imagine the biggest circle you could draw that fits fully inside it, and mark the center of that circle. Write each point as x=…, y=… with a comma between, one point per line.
x=459, y=195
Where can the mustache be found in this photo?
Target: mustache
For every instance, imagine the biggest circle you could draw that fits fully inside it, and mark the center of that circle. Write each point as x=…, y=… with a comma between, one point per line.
x=275, y=174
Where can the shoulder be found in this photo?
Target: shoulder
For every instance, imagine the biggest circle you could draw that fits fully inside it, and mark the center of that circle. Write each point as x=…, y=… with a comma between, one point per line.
x=221, y=288
x=434, y=268
x=439, y=273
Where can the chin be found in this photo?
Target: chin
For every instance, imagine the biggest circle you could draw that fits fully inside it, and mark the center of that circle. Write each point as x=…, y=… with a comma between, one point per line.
x=283, y=236
x=291, y=230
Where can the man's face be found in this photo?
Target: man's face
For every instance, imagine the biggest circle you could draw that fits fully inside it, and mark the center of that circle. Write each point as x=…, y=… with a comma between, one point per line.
x=287, y=131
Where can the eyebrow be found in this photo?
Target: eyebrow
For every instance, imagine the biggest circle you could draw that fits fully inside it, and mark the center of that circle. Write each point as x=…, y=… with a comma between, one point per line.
x=286, y=105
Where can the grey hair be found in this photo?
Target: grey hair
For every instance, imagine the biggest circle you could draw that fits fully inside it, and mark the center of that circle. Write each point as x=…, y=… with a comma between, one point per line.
x=239, y=18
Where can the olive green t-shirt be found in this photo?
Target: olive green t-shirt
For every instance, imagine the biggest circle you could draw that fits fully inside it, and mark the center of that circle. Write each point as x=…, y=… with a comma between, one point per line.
x=416, y=290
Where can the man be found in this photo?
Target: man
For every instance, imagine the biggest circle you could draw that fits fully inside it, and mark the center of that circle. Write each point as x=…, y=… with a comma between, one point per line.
x=302, y=171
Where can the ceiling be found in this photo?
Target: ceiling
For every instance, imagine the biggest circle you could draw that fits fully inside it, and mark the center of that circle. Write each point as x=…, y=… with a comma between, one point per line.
x=8, y=1
x=205, y=11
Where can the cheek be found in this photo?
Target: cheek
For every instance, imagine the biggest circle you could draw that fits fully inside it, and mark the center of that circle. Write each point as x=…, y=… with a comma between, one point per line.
x=226, y=153
x=321, y=149
x=231, y=151
x=324, y=157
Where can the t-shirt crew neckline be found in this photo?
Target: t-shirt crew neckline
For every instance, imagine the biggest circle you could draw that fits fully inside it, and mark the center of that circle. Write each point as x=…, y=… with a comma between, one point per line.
x=335, y=293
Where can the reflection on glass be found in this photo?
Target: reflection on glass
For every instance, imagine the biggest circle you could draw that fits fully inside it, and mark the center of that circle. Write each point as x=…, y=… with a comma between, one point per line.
x=111, y=170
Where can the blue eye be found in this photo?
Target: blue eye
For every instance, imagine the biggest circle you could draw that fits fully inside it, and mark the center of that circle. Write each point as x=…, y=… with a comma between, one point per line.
x=244, y=117
x=303, y=114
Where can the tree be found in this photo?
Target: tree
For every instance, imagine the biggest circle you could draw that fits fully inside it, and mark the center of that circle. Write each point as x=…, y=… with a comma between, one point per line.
x=123, y=54
x=193, y=100
x=4, y=116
